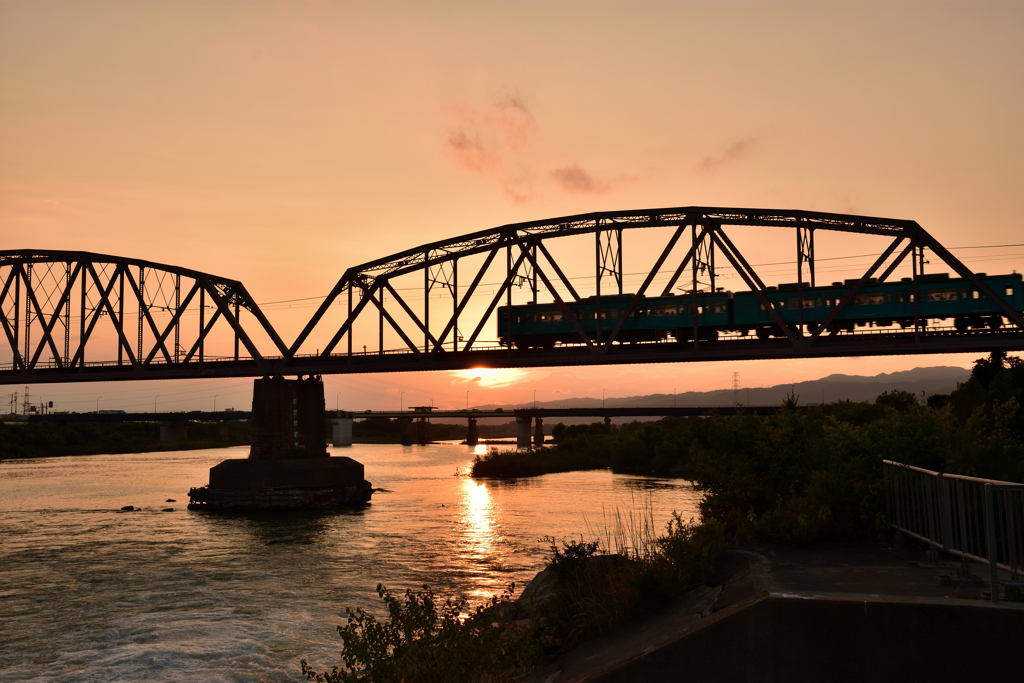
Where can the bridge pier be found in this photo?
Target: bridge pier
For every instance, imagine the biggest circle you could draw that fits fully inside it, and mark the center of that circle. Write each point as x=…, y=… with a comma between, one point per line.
x=471, y=436
x=538, y=433
x=288, y=464
x=523, y=431
x=223, y=430
x=341, y=431
x=422, y=431
x=406, y=424
x=174, y=430
x=608, y=422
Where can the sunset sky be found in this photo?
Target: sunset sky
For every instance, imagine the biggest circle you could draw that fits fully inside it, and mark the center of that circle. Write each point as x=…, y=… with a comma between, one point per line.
x=279, y=143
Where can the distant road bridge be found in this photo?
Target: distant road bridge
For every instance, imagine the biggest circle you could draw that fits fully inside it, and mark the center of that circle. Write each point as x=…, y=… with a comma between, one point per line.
x=173, y=424
x=77, y=316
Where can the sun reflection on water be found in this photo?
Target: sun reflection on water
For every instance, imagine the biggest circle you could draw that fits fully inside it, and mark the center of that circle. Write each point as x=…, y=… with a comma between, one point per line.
x=479, y=536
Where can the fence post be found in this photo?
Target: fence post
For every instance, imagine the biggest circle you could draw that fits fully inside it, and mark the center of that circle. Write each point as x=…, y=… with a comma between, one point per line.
x=945, y=514
x=990, y=532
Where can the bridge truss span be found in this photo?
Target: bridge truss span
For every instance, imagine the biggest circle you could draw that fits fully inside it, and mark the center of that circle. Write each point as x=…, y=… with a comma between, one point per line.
x=74, y=316
x=390, y=315
x=577, y=290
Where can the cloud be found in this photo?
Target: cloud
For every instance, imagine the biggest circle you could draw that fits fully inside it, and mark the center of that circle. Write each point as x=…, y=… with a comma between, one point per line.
x=502, y=141
x=575, y=179
x=736, y=151
x=496, y=140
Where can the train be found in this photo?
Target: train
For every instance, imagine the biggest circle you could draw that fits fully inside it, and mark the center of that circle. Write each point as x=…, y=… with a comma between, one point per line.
x=668, y=318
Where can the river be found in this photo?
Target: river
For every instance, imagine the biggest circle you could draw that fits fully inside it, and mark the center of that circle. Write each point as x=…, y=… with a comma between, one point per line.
x=90, y=593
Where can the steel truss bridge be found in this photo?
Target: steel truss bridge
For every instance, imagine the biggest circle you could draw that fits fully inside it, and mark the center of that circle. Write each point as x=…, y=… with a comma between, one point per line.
x=71, y=316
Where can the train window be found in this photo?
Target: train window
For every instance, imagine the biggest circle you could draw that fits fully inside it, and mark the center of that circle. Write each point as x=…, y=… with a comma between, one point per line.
x=808, y=302
x=1009, y=290
x=975, y=294
x=941, y=295
x=780, y=303
x=718, y=307
x=663, y=310
x=819, y=302
x=549, y=316
x=888, y=297
x=869, y=298
x=963, y=293
x=609, y=313
x=899, y=297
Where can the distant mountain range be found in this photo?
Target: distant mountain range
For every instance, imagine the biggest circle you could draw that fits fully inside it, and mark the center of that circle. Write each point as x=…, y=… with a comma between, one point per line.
x=934, y=380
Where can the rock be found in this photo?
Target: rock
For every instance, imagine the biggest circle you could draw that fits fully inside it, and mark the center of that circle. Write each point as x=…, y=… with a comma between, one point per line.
x=170, y=500
x=537, y=593
x=167, y=510
x=128, y=508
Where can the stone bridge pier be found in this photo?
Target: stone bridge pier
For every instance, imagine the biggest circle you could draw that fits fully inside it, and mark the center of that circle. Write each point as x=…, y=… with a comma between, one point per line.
x=174, y=430
x=472, y=438
x=523, y=431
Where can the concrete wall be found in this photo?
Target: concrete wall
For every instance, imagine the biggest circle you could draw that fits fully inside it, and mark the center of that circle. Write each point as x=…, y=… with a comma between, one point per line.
x=794, y=639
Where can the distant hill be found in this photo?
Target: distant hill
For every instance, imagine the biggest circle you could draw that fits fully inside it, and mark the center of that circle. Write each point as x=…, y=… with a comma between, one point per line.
x=837, y=387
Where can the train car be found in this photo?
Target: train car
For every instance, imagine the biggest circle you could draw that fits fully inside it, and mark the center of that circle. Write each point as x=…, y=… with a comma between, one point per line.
x=880, y=304
x=671, y=317
x=653, y=319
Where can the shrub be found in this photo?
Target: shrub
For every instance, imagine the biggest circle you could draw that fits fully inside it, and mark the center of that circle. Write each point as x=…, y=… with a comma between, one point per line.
x=424, y=640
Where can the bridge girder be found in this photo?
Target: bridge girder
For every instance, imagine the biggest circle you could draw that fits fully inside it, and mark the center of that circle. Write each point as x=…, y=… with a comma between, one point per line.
x=371, y=297
x=145, y=304
x=526, y=254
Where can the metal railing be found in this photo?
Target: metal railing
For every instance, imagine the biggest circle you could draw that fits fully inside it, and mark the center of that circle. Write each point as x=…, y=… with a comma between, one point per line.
x=981, y=520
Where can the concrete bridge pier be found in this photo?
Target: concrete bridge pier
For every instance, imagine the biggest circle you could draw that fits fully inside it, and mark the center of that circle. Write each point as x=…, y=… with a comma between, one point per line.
x=341, y=431
x=406, y=430
x=523, y=431
x=223, y=430
x=422, y=431
x=471, y=436
x=174, y=430
x=538, y=433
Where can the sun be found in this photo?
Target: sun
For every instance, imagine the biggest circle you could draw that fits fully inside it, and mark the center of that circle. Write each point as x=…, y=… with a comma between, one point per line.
x=491, y=377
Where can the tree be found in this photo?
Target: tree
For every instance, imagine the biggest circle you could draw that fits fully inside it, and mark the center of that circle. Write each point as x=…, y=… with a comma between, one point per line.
x=901, y=400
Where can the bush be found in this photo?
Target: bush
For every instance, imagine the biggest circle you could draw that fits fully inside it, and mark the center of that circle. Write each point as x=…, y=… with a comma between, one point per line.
x=424, y=640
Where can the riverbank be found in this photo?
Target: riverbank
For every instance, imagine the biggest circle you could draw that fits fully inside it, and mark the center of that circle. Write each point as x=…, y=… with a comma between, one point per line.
x=52, y=439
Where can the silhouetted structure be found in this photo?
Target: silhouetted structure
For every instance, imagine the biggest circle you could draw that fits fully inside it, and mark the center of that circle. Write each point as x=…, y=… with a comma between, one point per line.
x=288, y=465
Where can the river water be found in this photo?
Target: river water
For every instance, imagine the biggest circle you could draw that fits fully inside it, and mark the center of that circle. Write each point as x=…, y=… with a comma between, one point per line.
x=90, y=593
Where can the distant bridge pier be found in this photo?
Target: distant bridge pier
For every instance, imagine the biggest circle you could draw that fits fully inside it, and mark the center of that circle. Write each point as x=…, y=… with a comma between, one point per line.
x=406, y=424
x=223, y=430
x=422, y=431
x=472, y=438
x=538, y=433
x=174, y=430
x=608, y=421
x=523, y=431
x=341, y=431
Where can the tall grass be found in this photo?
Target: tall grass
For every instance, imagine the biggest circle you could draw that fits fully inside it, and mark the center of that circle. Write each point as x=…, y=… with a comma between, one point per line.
x=631, y=533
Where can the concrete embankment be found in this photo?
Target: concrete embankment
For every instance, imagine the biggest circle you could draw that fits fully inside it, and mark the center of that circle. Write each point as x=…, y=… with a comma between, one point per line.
x=818, y=614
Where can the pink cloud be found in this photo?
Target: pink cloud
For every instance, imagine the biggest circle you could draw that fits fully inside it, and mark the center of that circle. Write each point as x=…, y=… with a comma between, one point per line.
x=736, y=151
x=501, y=140
x=574, y=178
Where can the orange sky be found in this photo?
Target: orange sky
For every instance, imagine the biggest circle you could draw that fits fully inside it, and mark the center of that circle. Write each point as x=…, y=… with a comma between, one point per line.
x=280, y=142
